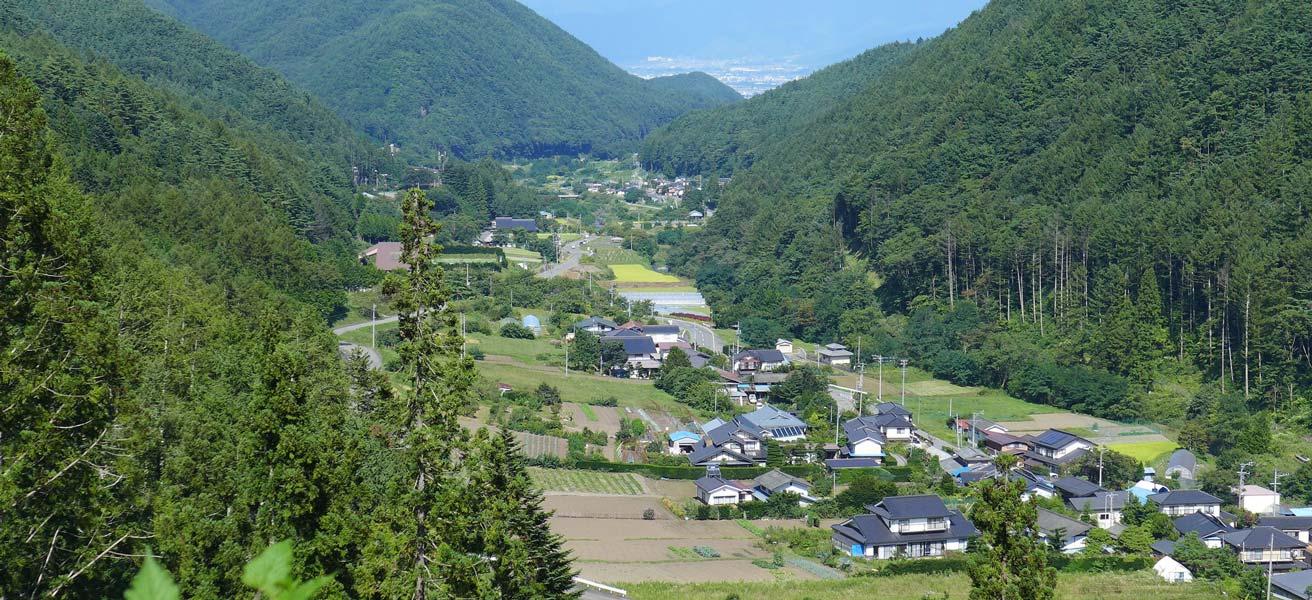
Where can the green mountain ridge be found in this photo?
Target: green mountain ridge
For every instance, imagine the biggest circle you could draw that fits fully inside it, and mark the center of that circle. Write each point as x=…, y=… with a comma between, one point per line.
x=480, y=78
x=1115, y=186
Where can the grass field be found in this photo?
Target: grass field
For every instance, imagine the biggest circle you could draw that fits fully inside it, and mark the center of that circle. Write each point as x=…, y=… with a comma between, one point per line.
x=1145, y=452
x=525, y=351
x=565, y=238
x=518, y=255
x=662, y=288
x=1104, y=586
x=614, y=255
x=586, y=482
x=634, y=273
x=584, y=388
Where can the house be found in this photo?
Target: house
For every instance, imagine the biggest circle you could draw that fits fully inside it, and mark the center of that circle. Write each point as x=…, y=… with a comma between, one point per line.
x=770, y=422
x=710, y=454
x=758, y=360
x=637, y=349
x=1055, y=449
x=835, y=355
x=663, y=350
x=836, y=464
x=1291, y=586
x=1262, y=545
x=1182, y=465
x=683, y=442
x=714, y=490
x=1208, y=528
x=1295, y=527
x=596, y=325
x=1259, y=500
x=1172, y=571
x=1062, y=532
x=892, y=408
x=777, y=481
x=1104, y=507
x=891, y=427
x=728, y=443
x=662, y=334
x=864, y=439
x=698, y=359
x=1005, y=443
x=1075, y=487
x=695, y=215
x=971, y=457
x=528, y=225
x=784, y=346
x=384, y=256
x=904, y=526
x=976, y=428
x=1183, y=502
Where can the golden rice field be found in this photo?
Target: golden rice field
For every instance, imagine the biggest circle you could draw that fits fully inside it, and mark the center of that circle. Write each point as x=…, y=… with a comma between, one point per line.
x=631, y=273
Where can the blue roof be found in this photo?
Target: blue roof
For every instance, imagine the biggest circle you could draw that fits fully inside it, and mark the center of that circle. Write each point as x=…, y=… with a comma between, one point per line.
x=1301, y=512
x=684, y=435
x=531, y=322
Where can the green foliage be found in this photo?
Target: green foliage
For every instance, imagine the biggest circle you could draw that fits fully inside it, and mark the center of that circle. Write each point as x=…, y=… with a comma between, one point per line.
x=271, y=574
x=152, y=582
x=479, y=78
x=862, y=492
x=1118, y=470
x=1012, y=562
x=515, y=331
x=1068, y=171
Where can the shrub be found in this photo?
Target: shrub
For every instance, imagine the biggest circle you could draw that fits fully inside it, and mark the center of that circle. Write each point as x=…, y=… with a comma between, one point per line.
x=649, y=515
x=516, y=331
x=609, y=401
x=706, y=552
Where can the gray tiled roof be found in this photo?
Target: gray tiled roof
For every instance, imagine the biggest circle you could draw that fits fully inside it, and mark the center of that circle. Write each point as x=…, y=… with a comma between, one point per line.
x=777, y=479
x=1294, y=584
x=1184, y=497
x=1261, y=537
x=871, y=530
x=1203, y=524
x=1100, y=502
x=710, y=483
x=1287, y=523
x=1077, y=487
x=921, y=506
x=700, y=455
x=767, y=355
x=891, y=408
x=1049, y=522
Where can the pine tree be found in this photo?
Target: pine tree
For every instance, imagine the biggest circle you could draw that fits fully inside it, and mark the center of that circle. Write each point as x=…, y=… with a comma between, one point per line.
x=440, y=383
x=1013, y=564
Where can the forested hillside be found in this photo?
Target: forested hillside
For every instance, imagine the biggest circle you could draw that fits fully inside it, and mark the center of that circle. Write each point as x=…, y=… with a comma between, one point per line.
x=728, y=138
x=484, y=77
x=1075, y=200
x=165, y=365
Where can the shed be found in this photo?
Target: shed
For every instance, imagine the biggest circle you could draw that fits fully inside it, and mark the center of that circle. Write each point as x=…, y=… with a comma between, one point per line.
x=1171, y=570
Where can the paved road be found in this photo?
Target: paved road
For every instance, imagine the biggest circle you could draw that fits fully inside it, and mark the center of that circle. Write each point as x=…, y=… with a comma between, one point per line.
x=375, y=359
x=698, y=334
x=346, y=328
x=572, y=254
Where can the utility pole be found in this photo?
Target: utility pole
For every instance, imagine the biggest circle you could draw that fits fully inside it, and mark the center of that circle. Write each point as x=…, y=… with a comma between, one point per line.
x=881, y=378
x=903, y=364
x=860, y=387
x=1243, y=474
x=373, y=327
x=1275, y=483
x=974, y=429
x=462, y=336
x=1101, y=450
x=955, y=426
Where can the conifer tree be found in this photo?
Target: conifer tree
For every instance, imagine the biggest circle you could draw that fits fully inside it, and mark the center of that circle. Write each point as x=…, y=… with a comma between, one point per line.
x=1013, y=564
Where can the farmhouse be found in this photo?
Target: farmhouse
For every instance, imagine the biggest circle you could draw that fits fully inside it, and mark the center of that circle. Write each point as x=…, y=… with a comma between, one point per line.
x=977, y=428
x=1062, y=531
x=777, y=481
x=835, y=355
x=1262, y=545
x=1184, y=502
x=528, y=225
x=714, y=490
x=728, y=443
x=1208, y=528
x=595, y=325
x=904, y=526
x=749, y=361
x=1055, y=449
x=1105, y=507
x=1005, y=443
x=770, y=422
x=864, y=440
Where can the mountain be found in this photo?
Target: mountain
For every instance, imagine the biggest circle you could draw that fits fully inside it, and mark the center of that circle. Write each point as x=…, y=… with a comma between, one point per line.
x=1110, y=186
x=478, y=77
x=728, y=138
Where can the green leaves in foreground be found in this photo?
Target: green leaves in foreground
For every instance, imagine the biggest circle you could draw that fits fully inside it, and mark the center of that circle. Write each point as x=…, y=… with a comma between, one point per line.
x=270, y=573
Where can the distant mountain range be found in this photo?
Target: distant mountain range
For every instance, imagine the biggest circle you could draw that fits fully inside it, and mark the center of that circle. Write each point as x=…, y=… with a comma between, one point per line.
x=480, y=77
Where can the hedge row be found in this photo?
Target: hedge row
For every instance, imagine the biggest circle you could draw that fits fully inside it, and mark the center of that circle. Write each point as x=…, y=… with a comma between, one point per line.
x=808, y=472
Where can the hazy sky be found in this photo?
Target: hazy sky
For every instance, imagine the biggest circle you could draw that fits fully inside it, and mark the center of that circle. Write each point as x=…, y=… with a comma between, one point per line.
x=759, y=42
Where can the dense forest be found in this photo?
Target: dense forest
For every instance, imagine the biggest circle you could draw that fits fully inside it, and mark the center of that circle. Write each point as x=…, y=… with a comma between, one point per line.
x=480, y=78
x=1080, y=201
x=169, y=257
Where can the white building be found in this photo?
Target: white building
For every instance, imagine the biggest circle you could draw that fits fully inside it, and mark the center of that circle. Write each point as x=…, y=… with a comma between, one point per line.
x=1259, y=500
x=1171, y=570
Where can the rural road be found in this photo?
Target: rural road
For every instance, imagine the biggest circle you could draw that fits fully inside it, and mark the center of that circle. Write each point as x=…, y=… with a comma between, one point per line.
x=346, y=348
x=698, y=334
x=573, y=253
x=382, y=321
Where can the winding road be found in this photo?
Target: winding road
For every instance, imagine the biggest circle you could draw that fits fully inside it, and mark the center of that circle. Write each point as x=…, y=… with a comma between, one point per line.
x=573, y=254
x=698, y=334
x=347, y=348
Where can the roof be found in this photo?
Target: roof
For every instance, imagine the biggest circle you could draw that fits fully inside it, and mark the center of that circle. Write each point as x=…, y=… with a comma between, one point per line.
x=1294, y=584
x=1048, y=460
x=1100, y=502
x=872, y=530
x=1169, y=565
x=777, y=479
x=835, y=346
x=970, y=454
x=711, y=424
x=1049, y=522
x=834, y=353
x=386, y=255
x=764, y=355
x=891, y=408
x=1004, y=439
x=698, y=359
x=660, y=329
x=595, y=322
x=1056, y=438
x=1261, y=537
x=921, y=506
x=510, y=223
x=861, y=428
x=1203, y=524
x=633, y=345
x=621, y=332
x=705, y=453
x=710, y=483
x=1163, y=547
x=1184, y=497
x=1287, y=523
x=1076, y=487
x=1257, y=490
x=852, y=463
x=1182, y=459
x=683, y=435
x=980, y=424
x=777, y=422
x=724, y=431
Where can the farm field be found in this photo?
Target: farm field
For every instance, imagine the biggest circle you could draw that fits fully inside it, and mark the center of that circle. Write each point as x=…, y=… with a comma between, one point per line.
x=525, y=351
x=587, y=482
x=1070, y=586
x=637, y=273
x=606, y=255
x=1146, y=452
x=518, y=255
x=579, y=387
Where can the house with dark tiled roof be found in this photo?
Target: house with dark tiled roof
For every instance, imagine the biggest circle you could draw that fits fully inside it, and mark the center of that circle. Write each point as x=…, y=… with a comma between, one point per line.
x=777, y=481
x=1005, y=443
x=773, y=423
x=864, y=440
x=1292, y=586
x=750, y=361
x=1065, y=533
x=1183, y=502
x=1296, y=527
x=1265, y=545
x=1104, y=507
x=1075, y=487
x=714, y=490
x=528, y=225
x=834, y=355
x=1208, y=528
x=904, y=526
x=1054, y=449
x=595, y=325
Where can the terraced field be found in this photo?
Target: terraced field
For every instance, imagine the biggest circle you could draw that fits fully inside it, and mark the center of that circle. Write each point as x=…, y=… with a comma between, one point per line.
x=635, y=273
x=587, y=482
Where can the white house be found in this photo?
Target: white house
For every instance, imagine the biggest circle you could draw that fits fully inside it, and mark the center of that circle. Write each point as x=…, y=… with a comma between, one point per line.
x=864, y=440
x=662, y=334
x=1171, y=570
x=785, y=346
x=1259, y=500
x=714, y=490
x=1299, y=528
x=759, y=360
x=904, y=526
x=1055, y=448
x=1185, y=502
x=1104, y=507
x=777, y=481
x=835, y=355
x=1066, y=533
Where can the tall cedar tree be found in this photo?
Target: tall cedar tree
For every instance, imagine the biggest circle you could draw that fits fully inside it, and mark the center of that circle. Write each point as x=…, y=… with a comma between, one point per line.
x=440, y=382
x=59, y=371
x=1014, y=563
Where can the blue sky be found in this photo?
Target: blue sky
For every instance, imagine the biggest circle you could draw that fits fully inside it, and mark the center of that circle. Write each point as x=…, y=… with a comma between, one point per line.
x=752, y=43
